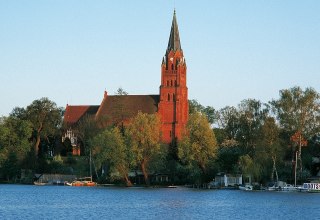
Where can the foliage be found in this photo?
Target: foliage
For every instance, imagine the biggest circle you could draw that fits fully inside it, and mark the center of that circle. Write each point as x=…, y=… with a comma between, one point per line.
x=199, y=144
x=249, y=167
x=45, y=118
x=110, y=147
x=270, y=145
x=298, y=110
x=121, y=91
x=86, y=129
x=209, y=111
x=144, y=137
x=14, y=144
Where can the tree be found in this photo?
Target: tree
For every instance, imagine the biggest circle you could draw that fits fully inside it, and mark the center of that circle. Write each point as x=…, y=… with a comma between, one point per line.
x=45, y=118
x=252, y=115
x=198, y=145
x=121, y=91
x=209, y=111
x=144, y=133
x=110, y=146
x=14, y=136
x=249, y=167
x=270, y=144
x=298, y=110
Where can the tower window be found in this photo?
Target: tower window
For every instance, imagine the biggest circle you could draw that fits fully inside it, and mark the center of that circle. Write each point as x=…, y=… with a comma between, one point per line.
x=167, y=82
x=173, y=97
x=172, y=66
x=168, y=97
x=171, y=82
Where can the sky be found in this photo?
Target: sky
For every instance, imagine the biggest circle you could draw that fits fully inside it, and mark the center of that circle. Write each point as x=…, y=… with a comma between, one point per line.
x=72, y=51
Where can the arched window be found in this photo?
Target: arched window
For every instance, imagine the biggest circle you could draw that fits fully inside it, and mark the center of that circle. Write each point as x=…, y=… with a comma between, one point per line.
x=171, y=83
x=175, y=82
x=167, y=82
x=168, y=97
x=172, y=66
x=173, y=97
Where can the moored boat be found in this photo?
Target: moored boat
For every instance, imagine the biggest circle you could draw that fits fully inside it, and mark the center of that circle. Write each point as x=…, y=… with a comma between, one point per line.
x=246, y=187
x=86, y=181
x=310, y=187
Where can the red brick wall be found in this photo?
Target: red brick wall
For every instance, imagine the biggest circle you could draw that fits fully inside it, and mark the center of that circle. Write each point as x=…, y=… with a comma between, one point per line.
x=173, y=106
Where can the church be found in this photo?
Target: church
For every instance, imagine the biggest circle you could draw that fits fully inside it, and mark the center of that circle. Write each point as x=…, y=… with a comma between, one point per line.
x=171, y=103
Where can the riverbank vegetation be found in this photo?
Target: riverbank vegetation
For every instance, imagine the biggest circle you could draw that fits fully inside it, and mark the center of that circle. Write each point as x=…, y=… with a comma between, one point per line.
x=263, y=140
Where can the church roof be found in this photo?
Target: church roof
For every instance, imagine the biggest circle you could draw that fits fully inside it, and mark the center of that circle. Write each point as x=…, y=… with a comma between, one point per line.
x=174, y=39
x=74, y=113
x=114, y=109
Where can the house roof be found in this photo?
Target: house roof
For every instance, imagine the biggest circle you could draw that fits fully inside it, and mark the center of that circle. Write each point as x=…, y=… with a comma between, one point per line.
x=114, y=109
x=74, y=113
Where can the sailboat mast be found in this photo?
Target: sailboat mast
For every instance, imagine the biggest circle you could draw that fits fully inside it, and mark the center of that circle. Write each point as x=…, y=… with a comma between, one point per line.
x=90, y=164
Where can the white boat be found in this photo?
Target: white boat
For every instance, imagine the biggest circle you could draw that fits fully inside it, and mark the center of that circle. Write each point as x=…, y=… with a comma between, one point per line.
x=310, y=187
x=288, y=188
x=246, y=187
x=39, y=183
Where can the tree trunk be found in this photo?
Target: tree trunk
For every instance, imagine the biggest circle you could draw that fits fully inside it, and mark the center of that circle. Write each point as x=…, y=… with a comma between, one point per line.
x=124, y=173
x=274, y=169
x=36, y=146
x=128, y=182
x=145, y=173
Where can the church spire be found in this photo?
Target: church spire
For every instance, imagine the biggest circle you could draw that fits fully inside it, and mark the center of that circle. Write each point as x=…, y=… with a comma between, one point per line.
x=174, y=39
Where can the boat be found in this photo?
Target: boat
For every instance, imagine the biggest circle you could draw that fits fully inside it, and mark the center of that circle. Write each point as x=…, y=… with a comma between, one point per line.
x=246, y=187
x=37, y=183
x=309, y=187
x=85, y=181
x=288, y=188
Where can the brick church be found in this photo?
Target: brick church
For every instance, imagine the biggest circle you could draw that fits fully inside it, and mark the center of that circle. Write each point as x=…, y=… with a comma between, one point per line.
x=171, y=103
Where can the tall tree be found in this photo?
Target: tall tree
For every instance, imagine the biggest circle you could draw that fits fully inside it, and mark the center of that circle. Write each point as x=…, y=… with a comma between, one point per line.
x=14, y=144
x=110, y=146
x=270, y=144
x=199, y=144
x=209, y=111
x=45, y=118
x=144, y=132
x=252, y=115
x=298, y=110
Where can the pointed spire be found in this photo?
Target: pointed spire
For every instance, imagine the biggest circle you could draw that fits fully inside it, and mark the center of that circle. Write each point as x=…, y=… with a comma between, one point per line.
x=174, y=39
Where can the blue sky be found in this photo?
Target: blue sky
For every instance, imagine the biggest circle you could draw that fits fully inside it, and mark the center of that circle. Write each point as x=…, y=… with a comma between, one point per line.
x=71, y=51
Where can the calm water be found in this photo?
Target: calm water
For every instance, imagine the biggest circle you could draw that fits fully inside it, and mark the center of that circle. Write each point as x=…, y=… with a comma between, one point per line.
x=63, y=202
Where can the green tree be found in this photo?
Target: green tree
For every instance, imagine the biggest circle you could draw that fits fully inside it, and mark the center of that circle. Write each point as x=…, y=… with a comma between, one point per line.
x=14, y=136
x=298, y=110
x=121, y=91
x=85, y=130
x=249, y=167
x=110, y=146
x=199, y=144
x=252, y=115
x=45, y=118
x=144, y=133
x=209, y=111
x=270, y=144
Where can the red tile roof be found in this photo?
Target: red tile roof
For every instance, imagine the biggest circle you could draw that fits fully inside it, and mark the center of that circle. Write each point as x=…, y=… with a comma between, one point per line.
x=115, y=109
x=73, y=113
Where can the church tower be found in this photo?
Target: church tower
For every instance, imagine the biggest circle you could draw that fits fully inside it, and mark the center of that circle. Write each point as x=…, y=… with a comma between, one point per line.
x=173, y=105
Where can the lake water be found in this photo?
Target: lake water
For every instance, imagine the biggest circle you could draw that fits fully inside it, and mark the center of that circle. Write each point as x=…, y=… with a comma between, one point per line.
x=63, y=202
